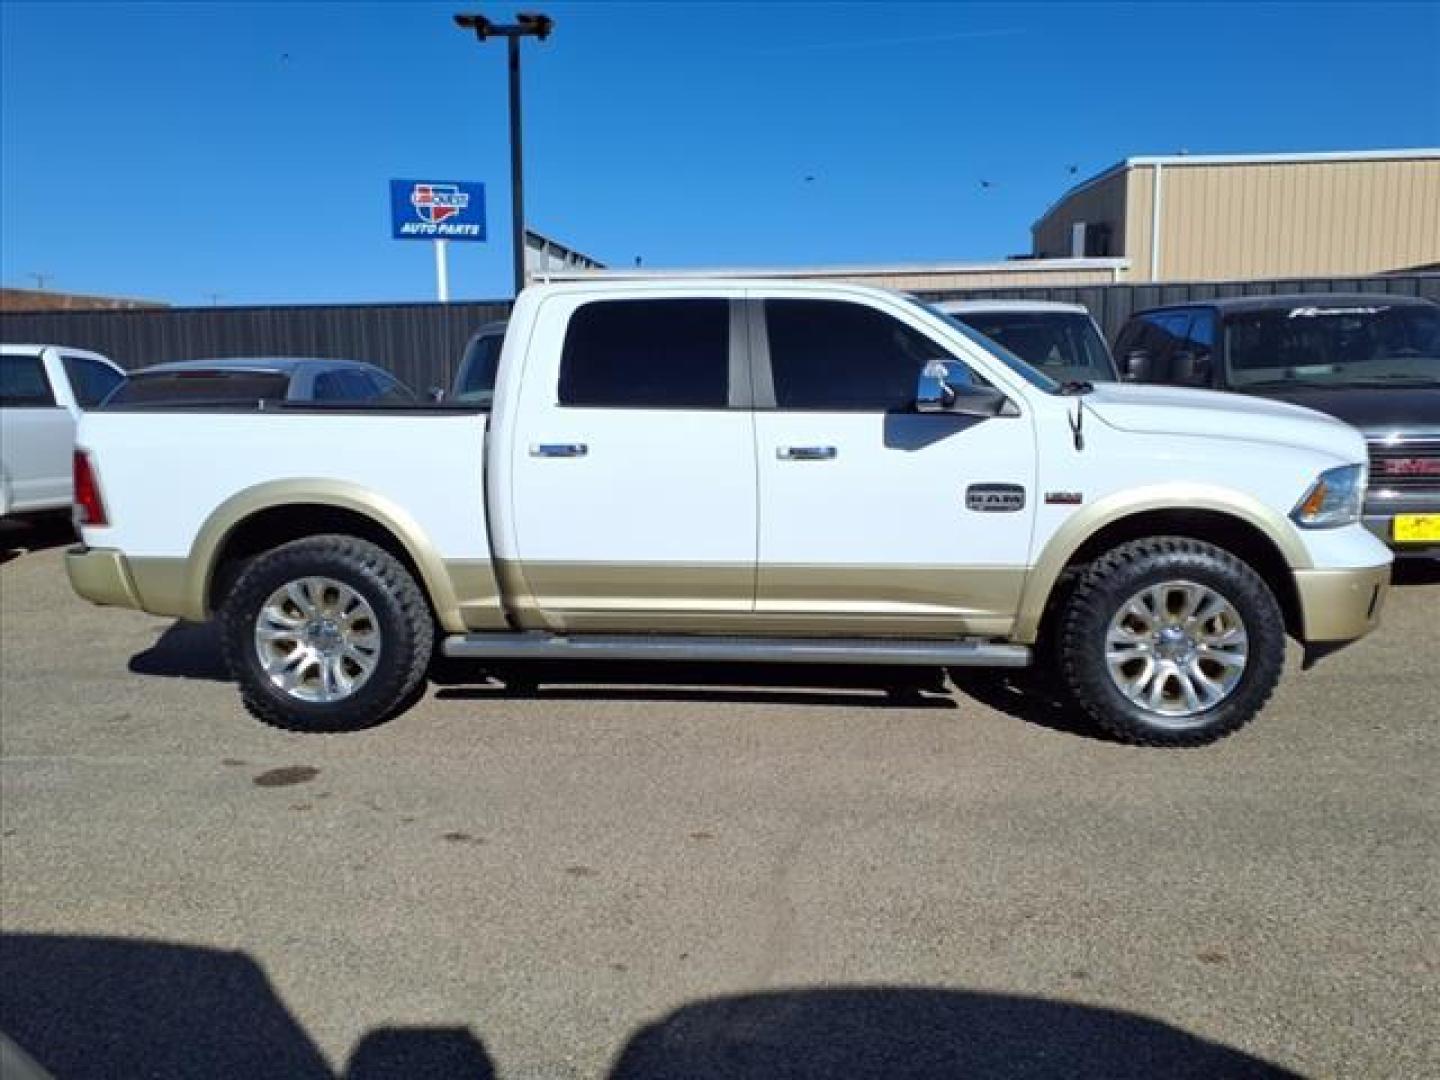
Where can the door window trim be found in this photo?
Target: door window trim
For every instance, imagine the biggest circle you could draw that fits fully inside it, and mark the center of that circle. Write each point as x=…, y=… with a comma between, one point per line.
x=763, y=375
x=738, y=377
x=68, y=358
x=52, y=400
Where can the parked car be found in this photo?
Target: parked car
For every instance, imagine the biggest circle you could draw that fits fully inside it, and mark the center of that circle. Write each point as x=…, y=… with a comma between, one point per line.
x=43, y=390
x=240, y=381
x=1372, y=360
x=1061, y=340
x=747, y=470
x=475, y=379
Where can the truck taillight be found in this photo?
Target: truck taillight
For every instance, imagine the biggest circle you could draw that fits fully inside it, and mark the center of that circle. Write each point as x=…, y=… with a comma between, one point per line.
x=89, y=506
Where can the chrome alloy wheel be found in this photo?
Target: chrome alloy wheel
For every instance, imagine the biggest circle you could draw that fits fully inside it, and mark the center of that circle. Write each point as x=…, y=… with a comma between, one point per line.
x=1176, y=649
x=317, y=639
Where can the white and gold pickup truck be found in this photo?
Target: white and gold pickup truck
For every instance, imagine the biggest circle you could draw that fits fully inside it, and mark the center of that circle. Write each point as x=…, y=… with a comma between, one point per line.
x=746, y=470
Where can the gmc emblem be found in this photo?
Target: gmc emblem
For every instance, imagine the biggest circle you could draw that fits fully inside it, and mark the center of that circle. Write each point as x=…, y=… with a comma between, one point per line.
x=1411, y=466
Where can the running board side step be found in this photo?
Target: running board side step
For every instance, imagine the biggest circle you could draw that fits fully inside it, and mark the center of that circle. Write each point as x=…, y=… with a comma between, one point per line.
x=538, y=645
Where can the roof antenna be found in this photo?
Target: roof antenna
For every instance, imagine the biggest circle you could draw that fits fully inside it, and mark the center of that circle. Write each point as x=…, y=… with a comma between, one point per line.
x=1077, y=424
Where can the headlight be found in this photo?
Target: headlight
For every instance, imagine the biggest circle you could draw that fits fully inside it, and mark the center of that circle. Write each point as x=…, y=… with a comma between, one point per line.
x=1335, y=498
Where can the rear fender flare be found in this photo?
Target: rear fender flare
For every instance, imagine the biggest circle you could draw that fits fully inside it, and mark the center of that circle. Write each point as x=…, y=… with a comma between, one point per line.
x=223, y=521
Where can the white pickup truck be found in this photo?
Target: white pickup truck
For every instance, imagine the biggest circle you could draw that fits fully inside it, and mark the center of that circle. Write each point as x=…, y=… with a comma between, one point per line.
x=43, y=390
x=746, y=470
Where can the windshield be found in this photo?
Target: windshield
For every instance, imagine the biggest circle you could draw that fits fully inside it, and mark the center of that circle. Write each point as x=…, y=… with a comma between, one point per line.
x=1063, y=344
x=1360, y=345
x=1037, y=379
x=478, y=368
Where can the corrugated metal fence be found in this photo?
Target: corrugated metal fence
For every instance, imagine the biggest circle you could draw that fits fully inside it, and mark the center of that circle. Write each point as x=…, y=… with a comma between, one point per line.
x=422, y=343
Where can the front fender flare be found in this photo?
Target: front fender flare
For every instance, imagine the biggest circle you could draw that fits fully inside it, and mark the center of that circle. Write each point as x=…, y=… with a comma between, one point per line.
x=1085, y=523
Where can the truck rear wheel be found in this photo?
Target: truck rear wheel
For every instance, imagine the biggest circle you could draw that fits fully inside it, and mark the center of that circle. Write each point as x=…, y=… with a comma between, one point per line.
x=1169, y=641
x=329, y=633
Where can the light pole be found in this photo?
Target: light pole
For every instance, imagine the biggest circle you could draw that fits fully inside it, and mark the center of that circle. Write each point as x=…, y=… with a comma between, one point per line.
x=526, y=25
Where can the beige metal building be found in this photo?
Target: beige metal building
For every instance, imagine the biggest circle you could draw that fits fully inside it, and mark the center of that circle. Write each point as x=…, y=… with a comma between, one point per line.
x=1220, y=217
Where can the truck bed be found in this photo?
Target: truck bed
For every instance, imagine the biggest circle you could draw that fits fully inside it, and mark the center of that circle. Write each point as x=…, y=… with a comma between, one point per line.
x=168, y=470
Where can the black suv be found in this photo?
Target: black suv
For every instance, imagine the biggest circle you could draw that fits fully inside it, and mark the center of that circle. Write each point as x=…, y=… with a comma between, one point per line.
x=1371, y=359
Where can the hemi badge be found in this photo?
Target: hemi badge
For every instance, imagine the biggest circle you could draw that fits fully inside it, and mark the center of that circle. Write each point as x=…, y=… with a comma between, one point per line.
x=1063, y=498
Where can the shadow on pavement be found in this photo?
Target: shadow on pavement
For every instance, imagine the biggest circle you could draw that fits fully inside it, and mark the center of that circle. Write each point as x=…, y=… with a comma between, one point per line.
x=87, y=1008
x=918, y=1033
x=184, y=651
x=20, y=536
x=192, y=651
x=1416, y=572
x=764, y=684
x=1025, y=694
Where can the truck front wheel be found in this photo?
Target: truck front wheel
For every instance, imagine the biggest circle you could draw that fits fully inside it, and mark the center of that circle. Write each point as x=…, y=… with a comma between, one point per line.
x=1169, y=641
x=328, y=633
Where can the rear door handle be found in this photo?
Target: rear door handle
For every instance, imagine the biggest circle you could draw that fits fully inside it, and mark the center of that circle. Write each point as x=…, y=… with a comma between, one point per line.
x=569, y=449
x=805, y=453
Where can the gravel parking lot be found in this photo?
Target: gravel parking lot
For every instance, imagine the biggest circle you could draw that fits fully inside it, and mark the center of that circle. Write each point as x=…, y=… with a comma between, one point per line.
x=768, y=874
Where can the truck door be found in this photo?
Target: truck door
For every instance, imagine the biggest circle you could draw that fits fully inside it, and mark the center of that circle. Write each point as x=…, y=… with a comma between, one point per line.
x=37, y=437
x=632, y=469
x=875, y=519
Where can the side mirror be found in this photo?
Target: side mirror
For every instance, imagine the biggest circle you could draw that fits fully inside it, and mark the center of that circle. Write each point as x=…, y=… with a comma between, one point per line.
x=1190, y=368
x=946, y=386
x=1135, y=367
x=436, y=394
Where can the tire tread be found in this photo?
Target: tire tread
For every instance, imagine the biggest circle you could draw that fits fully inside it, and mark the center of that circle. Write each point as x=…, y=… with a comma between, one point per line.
x=1089, y=606
x=369, y=559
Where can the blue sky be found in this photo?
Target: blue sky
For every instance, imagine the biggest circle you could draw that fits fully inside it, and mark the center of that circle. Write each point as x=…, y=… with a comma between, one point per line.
x=173, y=151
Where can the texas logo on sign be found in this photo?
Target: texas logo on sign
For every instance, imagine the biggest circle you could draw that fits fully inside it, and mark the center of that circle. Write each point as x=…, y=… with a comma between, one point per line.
x=437, y=210
x=438, y=202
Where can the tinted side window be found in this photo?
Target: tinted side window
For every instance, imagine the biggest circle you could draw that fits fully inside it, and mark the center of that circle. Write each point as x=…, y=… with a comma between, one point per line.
x=23, y=384
x=842, y=357
x=647, y=354
x=360, y=385
x=392, y=390
x=1202, y=333
x=330, y=386
x=201, y=388
x=1129, y=338
x=90, y=380
x=345, y=385
x=479, y=367
x=1166, y=329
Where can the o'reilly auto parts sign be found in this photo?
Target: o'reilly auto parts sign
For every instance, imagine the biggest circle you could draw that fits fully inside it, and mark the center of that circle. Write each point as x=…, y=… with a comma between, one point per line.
x=437, y=210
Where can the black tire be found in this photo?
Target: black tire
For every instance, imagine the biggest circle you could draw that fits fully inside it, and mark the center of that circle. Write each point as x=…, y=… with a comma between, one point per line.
x=1114, y=578
x=406, y=629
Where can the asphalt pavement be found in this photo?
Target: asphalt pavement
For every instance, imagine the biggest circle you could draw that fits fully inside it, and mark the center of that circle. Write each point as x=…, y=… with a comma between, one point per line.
x=734, y=873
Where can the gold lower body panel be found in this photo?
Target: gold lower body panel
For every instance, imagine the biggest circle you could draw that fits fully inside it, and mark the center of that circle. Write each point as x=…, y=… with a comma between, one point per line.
x=929, y=601
x=1341, y=605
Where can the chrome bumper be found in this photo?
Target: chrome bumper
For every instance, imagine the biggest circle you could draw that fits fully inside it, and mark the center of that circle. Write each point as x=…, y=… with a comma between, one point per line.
x=1341, y=605
x=101, y=576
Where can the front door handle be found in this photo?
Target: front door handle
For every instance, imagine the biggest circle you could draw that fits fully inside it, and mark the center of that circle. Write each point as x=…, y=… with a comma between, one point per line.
x=805, y=453
x=569, y=449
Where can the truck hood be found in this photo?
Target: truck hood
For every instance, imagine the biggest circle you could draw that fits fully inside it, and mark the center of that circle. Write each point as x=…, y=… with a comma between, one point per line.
x=1370, y=408
x=1171, y=410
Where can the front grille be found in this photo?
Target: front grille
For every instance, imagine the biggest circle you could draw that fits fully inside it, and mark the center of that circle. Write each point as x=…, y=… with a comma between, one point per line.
x=1413, y=465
